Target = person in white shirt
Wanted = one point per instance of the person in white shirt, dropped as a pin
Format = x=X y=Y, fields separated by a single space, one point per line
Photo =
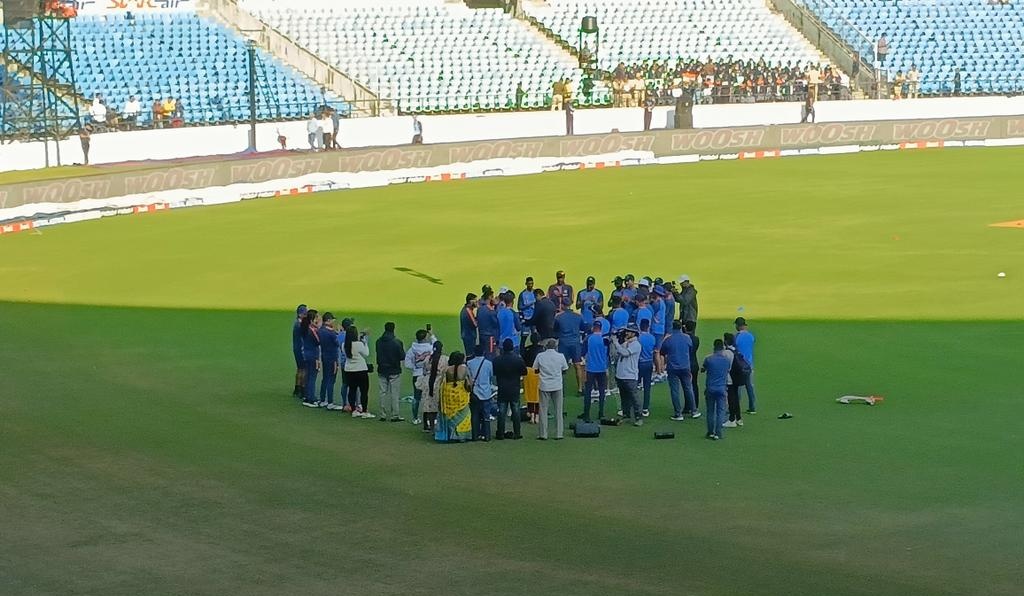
x=311 y=127
x=550 y=366
x=132 y=108
x=913 y=81
x=98 y=112
x=357 y=375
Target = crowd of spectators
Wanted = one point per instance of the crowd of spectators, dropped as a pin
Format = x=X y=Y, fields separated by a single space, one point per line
x=163 y=112
x=725 y=81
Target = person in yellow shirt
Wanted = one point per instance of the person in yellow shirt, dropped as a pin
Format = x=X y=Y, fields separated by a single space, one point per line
x=168 y=107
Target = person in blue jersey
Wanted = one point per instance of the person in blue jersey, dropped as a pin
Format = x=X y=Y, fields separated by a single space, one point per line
x=628 y=293
x=487 y=323
x=670 y=304
x=619 y=315
x=643 y=291
x=569 y=326
x=468 y=323
x=658 y=326
x=645 y=365
x=680 y=364
x=480 y=373
x=745 y=346
x=524 y=305
x=560 y=292
x=716 y=367
x=508 y=322
x=617 y=292
x=330 y=350
x=586 y=299
x=643 y=311
x=690 y=329
x=597 y=371
x=300 y=362
x=308 y=329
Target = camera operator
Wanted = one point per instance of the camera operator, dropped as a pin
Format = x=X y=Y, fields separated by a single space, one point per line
x=627 y=350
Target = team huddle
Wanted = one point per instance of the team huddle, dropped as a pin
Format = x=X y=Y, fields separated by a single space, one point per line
x=519 y=347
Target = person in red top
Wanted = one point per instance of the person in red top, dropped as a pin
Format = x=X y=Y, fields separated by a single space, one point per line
x=560 y=292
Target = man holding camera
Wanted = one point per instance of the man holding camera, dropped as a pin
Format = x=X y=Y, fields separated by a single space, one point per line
x=627 y=372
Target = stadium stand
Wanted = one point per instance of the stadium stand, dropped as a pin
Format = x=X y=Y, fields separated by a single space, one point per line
x=188 y=57
x=428 y=55
x=984 y=40
x=739 y=49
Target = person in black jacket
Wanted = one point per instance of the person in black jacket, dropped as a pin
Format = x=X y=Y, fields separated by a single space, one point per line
x=390 y=354
x=690 y=328
x=509 y=369
x=543 y=319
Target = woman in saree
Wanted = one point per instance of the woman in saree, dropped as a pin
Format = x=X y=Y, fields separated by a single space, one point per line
x=453 y=418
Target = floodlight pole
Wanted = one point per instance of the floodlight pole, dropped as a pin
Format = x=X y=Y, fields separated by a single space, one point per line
x=250 y=47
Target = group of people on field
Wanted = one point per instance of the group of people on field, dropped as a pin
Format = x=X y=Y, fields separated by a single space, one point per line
x=519 y=346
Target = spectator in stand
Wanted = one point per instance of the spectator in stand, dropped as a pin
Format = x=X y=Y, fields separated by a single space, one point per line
x=520 y=94
x=648 y=111
x=882 y=49
x=157 y=113
x=323 y=127
x=335 y=128
x=557 y=95
x=913 y=82
x=168 y=107
x=179 y=109
x=417 y=131
x=132 y=108
x=570 y=111
x=813 y=80
x=956 y=82
x=98 y=112
x=567 y=92
x=897 y=85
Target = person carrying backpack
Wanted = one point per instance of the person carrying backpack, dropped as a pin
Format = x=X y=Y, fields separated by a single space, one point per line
x=739 y=370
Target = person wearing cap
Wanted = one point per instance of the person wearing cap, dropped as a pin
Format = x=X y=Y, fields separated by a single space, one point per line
x=550 y=366
x=629 y=293
x=390 y=354
x=560 y=292
x=597 y=371
x=617 y=292
x=732 y=386
x=487 y=322
x=619 y=315
x=300 y=362
x=658 y=323
x=531 y=382
x=310 y=356
x=670 y=304
x=686 y=301
x=508 y=321
x=645 y=365
x=468 y=323
x=481 y=375
x=677 y=350
x=569 y=326
x=643 y=290
x=509 y=369
x=524 y=305
x=716 y=366
x=627 y=351
x=329 y=351
x=745 y=346
x=587 y=299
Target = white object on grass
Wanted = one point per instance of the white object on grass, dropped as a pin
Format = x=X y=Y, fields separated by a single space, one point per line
x=1001 y=274
x=860 y=399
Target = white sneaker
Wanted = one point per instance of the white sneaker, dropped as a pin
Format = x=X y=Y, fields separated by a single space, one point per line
x=645 y=413
x=309 y=404
x=417 y=421
x=323 y=404
x=729 y=424
x=595 y=394
x=695 y=415
x=739 y=423
x=619 y=413
x=357 y=414
x=678 y=418
x=333 y=407
x=367 y=415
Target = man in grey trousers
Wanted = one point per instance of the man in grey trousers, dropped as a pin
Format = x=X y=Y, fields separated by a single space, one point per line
x=551 y=366
x=390 y=354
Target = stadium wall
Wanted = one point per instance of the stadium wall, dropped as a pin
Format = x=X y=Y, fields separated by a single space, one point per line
x=668 y=146
x=395 y=131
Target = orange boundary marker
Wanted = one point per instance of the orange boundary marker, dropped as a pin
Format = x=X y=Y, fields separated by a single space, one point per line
x=1008 y=224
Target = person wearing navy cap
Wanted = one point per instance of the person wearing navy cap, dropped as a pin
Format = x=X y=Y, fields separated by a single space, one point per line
x=525 y=307
x=658 y=322
x=586 y=300
x=560 y=292
x=487 y=322
x=628 y=293
x=617 y=282
x=300 y=381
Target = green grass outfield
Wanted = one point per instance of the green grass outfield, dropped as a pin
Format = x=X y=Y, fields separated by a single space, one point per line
x=148 y=443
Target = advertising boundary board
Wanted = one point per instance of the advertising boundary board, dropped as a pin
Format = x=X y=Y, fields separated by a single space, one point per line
x=665 y=143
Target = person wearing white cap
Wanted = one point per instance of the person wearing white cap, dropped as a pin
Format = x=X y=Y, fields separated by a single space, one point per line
x=686 y=300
